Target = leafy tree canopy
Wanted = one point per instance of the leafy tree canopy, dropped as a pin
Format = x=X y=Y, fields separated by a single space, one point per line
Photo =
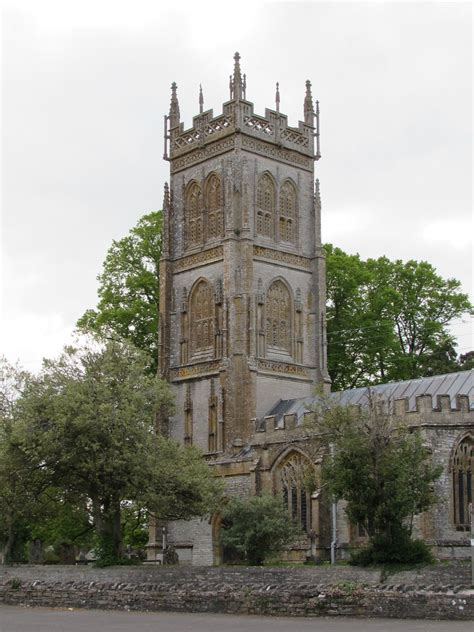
x=388 y=320
x=89 y=420
x=128 y=291
x=22 y=481
x=381 y=469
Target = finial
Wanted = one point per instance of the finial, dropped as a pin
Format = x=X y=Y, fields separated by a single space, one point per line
x=166 y=197
x=237 y=65
x=201 y=100
x=237 y=86
x=308 y=105
x=277 y=97
x=174 y=107
x=318 y=146
x=166 y=221
x=317 y=195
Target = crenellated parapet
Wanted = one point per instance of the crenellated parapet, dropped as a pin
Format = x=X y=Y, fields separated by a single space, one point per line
x=439 y=410
x=238 y=116
x=426 y=410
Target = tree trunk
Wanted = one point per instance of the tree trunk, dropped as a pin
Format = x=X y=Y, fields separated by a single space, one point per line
x=67 y=553
x=107 y=520
x=8 y=550
x=116 y=529
x=35 y=552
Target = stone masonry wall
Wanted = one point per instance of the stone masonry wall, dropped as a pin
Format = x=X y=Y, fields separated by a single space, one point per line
x=278 y=591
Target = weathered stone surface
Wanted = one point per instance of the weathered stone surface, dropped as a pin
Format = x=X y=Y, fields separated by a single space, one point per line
x=307 y=591
x=242 y=325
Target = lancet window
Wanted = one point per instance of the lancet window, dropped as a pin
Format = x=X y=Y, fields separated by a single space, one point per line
x=296 y=479
x=215 y=215
x=278 y=316
x=462 y=466
x=201 y=321
x=288 y=213
x=266 y=206
x=194 y=215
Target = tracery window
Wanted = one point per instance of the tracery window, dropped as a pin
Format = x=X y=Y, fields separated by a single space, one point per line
x=193 y=214
x=278 y=306
x=296 y=477
x=201 y=322
x=215 y=215
x=288 y=214
x=462 y=466
x=266 y=206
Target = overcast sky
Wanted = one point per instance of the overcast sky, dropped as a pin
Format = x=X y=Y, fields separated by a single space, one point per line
x=85 y=86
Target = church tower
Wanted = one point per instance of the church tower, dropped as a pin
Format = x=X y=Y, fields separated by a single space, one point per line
x=242 y=273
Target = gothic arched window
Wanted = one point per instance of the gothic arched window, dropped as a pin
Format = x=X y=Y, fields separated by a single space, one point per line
x=288 y=214
x=295 y=478
x=462 y=466
x=278 y=317
x=266 y=206
x=193 y=215
x=201 y=322
x=213 y=200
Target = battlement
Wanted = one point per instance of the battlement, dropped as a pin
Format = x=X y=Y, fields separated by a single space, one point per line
x=238 y=116
x=427 y=410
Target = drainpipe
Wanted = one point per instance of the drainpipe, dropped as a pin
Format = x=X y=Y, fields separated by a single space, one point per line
x=471 y=520
x=334 y=520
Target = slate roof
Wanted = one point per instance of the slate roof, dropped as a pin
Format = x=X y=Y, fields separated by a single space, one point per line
x=452 y=384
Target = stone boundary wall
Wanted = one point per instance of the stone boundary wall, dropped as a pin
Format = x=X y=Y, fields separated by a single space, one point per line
x=278 y=591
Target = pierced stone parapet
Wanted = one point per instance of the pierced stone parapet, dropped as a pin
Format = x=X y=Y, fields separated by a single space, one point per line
x=273 y=127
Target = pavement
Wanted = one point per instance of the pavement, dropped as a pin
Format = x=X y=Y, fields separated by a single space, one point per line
x=15 y=619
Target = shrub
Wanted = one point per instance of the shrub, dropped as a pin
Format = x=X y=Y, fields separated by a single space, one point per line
x=256 y=527
x=401 y=550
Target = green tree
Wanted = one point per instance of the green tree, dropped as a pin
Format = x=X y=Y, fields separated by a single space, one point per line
x=383 y=472
x=22 y=481
x=91 y=422
x=256 y=527
x=466 y=361
x=66 y=524
x=388 y=320
x=129 y=290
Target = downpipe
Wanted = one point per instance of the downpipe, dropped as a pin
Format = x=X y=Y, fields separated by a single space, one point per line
x=333 y=521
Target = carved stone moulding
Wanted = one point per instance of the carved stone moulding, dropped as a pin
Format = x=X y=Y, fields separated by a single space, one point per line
x=195 y=156
x=211 y=255
x=295 y=371
x=277 y=153
x=190 y=371
x=283 y=258
x=217 y=128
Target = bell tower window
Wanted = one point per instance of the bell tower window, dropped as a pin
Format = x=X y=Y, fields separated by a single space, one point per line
x=215 y=215
x=288 y=213
x=193 y=214
x=201 y=322
x=266 y=206
x=278 y=315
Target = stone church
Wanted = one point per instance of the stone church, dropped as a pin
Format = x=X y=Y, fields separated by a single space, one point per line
x=242 y=328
